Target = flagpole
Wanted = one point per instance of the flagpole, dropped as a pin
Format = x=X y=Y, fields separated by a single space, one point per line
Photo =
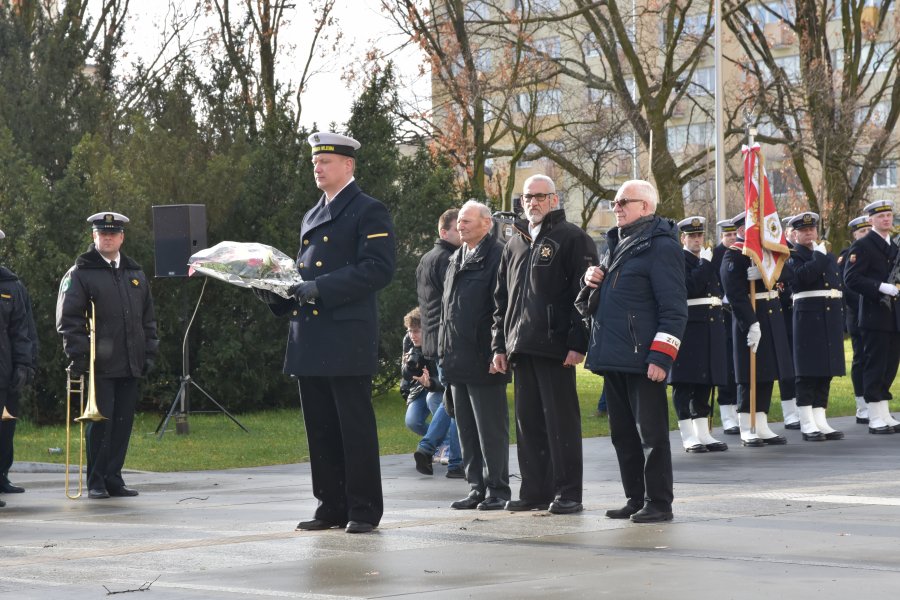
x=752 y=285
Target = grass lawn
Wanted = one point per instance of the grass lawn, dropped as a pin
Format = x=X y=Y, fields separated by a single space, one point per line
x=278 y=436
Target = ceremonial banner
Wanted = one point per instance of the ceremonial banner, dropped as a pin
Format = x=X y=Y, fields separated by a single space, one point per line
x=764 y=240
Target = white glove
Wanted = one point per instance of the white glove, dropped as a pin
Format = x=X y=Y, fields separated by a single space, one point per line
x=886 y=288
x=820 y=248
x=706 y=254
x=754 y=334
x=753 y=273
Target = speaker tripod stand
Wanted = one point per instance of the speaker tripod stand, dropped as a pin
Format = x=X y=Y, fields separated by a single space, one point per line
x=181 y=402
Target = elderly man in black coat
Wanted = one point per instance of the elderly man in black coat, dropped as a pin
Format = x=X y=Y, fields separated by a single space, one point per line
x=347 y=253
x=635 y=336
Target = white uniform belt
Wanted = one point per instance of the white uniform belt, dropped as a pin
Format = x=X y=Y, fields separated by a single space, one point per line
x=711 y=301
x=834 y=294
x=770 y=295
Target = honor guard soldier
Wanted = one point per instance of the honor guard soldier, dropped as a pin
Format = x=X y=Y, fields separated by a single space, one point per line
x=871 y=273
x=111 y=288
x=347 y=253
x=786 y=387
x=859 y=227
x=726 y=393
x=818 y=326
x=18 y=357
x=700 y=363
x=763 y=332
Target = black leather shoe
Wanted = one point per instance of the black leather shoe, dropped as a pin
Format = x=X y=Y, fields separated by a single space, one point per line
x=492 y=503
x=778 y=440
x=522 y=505
x=8 y=488
x=359 y=527
x=815 y=436
x=696 y=449
x=123 y=491
x=470 y=502
x=896 y=428
x=795 y=425
x=622 y=513
x=753 y=443
x=834 y=435
x=717 y=447
x=881 y=430
x=423 y=463
x=648 y=514
x=862 y=420
x=562 y=506
x=316 y=525
x=732 y=431
x=457 y=473
x=97 y=494
x=2 y=503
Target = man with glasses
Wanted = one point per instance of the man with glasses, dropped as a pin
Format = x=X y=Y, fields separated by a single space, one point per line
x=541 y=336
x=636 y=332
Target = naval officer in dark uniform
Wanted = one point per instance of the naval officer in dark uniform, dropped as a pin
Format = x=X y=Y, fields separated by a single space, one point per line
x=859 y=227
x=818 y=326
x=786 y=386
x=700 y=363
x=347 y=253
x=125 y=347
x=762 y=332
x=869 y=265
x=726 y=393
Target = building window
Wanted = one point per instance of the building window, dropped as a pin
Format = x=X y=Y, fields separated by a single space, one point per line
x=680 y=137
x=885 y=176
x=526 y=159
x=483 y=60
x=546 y=102
x=548 y=47
x=764 y=13
x=703 y=81
x=791 y=67
x=476 y=10
x=590 y=47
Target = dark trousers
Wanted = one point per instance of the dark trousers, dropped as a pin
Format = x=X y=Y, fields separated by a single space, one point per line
x=548 y=426
x=691 y=400
x=787 y=389
x=343 y=448
x=727 y=394
x=639 y=429
x=482 y=419
x=881 y=351
x=763 y=396
x=107 y=440
x=858 y=363
x=813 y=391
x=10 y=400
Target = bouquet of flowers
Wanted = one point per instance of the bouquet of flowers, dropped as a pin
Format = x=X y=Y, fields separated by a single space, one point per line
x=247 y=264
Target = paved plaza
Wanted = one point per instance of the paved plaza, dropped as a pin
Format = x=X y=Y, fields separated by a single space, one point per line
x=806 y=520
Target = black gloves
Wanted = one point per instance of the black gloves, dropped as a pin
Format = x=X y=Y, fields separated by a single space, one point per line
x=21 y=376
x=448 y=402
x=79 y=366
x=149 y=365
x=267 y=296
x=304 y=291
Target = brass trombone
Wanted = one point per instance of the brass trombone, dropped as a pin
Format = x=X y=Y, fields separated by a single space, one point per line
x=91 y=413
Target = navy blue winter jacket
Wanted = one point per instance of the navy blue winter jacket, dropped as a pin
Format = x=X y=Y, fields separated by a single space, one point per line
x=642 y=310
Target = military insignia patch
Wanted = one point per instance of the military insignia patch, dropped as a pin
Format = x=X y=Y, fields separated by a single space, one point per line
x=135 y=282
x=66 y=284
x=546 y=252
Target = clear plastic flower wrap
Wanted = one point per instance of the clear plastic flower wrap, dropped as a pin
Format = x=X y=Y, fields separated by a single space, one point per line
x=247 y=264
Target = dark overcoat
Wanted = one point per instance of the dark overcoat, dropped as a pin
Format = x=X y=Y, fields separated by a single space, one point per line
x=16 y=345
x=430 y=291
x=869 y=264
x=818 y=322
x=347 y=247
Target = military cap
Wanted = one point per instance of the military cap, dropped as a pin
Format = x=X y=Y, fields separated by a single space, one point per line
x=107 y=221
x=323 y=141
x=786 y=222
x=804 y=219
x=692 y=225
x=738 y=219
x=859 y=223
x=726 y=226
x=879 y=206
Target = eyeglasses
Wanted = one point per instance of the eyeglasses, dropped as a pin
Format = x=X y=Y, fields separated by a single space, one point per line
x=621 y=202
x=415 y=331
x=538 y=197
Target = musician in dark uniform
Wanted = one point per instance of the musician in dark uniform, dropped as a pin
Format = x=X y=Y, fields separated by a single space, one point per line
x=700 y=363
x=818 y=323
x=869 y=264
x=347 y=253
x=786 y=386
x=859 y=227
x=727 y=393
x=762 y=332
x=18 y=358
x=125 y=347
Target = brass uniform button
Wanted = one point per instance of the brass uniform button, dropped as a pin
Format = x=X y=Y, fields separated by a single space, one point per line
x=315 y=312
x=318 y=263
x=300 y=266
x=325 y=239
x=306 y=242
x=294 y=313
x=770 y=311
